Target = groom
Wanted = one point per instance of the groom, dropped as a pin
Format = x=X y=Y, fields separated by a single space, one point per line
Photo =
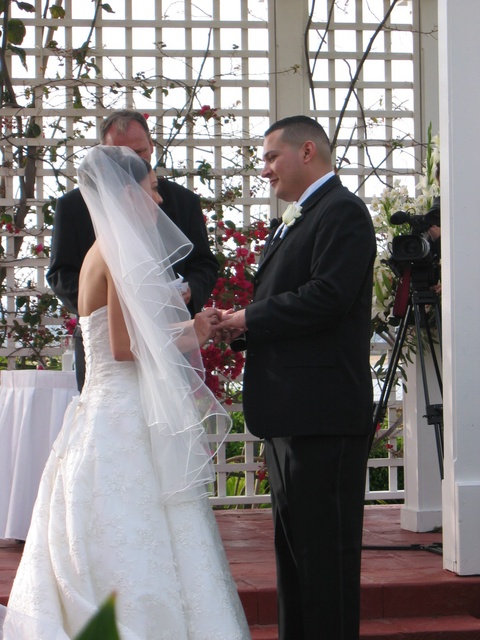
x=307 y=382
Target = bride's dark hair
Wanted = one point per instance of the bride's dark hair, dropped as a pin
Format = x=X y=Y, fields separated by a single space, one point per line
x=132 y=164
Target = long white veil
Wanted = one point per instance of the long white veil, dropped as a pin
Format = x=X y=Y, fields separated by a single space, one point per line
x=140 y=244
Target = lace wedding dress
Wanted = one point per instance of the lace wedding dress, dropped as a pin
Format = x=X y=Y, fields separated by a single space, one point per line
x=99 y=525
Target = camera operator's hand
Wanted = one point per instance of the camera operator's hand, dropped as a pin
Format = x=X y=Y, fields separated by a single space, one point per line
x=434 y=232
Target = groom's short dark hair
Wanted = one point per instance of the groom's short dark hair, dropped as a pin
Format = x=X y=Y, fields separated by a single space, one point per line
x=298 y=129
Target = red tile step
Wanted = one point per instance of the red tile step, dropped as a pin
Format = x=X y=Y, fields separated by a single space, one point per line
x=424 y=628
x=267 y=632
x=435 y=628
x=406 y=594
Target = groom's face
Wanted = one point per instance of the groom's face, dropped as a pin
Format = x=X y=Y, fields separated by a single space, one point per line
x=283 y=166
x=135 y=137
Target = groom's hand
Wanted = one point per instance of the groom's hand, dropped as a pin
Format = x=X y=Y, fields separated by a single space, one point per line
x=231 y=325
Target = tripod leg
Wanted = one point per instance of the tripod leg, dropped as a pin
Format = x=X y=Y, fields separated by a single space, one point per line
x=381 y=406
x=434 y=412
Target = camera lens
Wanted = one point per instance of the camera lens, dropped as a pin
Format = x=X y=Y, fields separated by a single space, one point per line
x=410 y=248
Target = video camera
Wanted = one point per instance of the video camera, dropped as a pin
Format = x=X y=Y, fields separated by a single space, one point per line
x=415 y=251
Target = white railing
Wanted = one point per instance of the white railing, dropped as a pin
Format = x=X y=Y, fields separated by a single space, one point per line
x=247 y=469
x=238 y=477
x=242 y=471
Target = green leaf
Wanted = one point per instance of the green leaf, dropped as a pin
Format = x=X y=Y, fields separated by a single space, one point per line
x=34 y=131
x=57 y=11
x=102 y=626
x=387 y=282
x=26 y=6
x=381 y=360
x=20 y=53
x=16 y=31
x=107 y=8
x=77 y=100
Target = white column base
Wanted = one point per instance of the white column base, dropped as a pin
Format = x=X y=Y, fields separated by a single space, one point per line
x=420 y=521
x=461 y=548
x=422 y=510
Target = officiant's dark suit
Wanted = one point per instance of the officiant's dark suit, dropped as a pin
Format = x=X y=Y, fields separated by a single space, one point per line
x=307 y=383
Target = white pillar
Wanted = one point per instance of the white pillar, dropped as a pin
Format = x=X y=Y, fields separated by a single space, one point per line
x=426 y=66
x=459 y=56
x=289 y=88
x=422 y=509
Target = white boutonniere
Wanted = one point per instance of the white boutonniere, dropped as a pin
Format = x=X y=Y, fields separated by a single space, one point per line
x=291 y=213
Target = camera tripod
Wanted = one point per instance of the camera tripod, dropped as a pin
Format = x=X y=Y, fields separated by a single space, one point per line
x=413 y=297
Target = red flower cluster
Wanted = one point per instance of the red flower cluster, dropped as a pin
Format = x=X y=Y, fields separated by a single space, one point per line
x=12 y=228
x=262 y=473
x=69 y=324
x=207 y=112
x=237 y=255
x=222 y=365
x=237 y=252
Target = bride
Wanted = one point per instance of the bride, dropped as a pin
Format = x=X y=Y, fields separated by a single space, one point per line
x=122 y=506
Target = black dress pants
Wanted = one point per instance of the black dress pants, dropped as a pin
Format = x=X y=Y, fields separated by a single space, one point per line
x=318 y=488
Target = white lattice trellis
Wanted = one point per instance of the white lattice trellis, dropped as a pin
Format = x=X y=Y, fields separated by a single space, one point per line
x=211 y=75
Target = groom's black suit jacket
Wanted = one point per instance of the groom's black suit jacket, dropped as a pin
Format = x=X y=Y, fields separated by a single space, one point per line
x=73 y=235
x=308 y=342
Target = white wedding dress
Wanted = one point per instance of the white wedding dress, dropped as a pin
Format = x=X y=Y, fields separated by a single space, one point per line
x=99 y=525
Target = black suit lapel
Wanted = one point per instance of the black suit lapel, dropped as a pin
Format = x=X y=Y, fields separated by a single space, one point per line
x=275 y=242
x=312 y=201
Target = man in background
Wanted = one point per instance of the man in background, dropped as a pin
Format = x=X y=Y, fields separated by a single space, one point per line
x=73 y=233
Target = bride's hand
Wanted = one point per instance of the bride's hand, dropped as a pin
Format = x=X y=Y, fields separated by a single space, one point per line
x=204 y=324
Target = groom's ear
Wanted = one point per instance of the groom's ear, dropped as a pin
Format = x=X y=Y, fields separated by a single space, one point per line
x=309 y=150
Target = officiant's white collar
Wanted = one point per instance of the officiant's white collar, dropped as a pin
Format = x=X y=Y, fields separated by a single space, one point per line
x=315 y=185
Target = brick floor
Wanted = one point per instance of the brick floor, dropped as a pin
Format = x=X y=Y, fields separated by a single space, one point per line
x=404 y=586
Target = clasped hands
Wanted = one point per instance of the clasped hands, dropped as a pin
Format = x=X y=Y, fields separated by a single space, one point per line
x=219 y=325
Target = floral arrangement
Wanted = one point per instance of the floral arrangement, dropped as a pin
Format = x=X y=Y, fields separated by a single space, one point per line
x=393 y=199
x=237 y=251
x=385 y=281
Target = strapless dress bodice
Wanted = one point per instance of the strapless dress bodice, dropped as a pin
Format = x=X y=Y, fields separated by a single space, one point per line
x=101 y=368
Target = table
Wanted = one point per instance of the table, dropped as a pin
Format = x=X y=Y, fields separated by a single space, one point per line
x=32 y=405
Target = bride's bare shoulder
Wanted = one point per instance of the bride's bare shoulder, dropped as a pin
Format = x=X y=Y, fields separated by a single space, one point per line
x=92 y=286
x=93 y=255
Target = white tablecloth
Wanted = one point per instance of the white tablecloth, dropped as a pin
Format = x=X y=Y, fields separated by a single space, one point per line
x=32 y=405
